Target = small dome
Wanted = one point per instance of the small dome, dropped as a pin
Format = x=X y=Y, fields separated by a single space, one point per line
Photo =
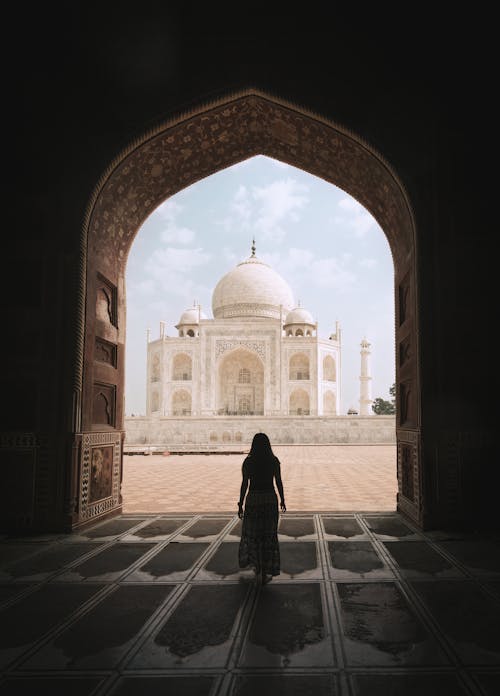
x=190 y=316
x=299 y=315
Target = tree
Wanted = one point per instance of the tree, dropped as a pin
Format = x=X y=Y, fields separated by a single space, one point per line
x=381 y=407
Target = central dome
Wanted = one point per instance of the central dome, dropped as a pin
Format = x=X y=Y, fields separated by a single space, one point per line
x=251 y=289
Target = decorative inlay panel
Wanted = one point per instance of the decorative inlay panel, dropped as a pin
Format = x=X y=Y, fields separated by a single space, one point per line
x=411 y=436
x=408 y=447
x=100 y=474
x=407 y=482
x=223 y=346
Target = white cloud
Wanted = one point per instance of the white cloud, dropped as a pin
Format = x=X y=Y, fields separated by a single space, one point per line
x=142 y=288
x=263 y=211
x=169 y=210
x=172 y=260
x=289 y=263
x=278 y=203
x=355 y=217
x=302 y=268
x=174 y=233
x=331 y=273
x=241 y=206
x=178 y=235
x=173 y=272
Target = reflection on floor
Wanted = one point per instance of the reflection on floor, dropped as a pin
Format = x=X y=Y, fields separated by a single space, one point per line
x=150 y=605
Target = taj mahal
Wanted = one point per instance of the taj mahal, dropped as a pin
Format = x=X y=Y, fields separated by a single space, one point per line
x=258 y=364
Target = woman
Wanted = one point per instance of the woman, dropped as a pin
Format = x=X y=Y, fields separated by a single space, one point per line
x=259 y=535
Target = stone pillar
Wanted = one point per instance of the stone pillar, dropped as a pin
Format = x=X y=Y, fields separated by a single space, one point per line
x=365 y=396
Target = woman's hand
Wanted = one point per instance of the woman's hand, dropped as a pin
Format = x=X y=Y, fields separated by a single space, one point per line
x=283 y=506
x=240 y=510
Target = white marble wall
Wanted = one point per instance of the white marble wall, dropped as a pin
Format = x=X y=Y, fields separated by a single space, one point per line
x=210 y=433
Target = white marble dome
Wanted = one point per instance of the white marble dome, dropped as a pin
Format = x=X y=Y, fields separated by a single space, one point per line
x=251 y=289
x=190 y=316
x=299 y=315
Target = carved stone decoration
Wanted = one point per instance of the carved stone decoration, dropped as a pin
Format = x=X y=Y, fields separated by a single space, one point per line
x=105 y=351
x=103 y=404
x=406 y=415
x=100 y=474
x=403 y=300
x=409 y=493
x=405 y=352
x=223 y=346
x=106 y=301
x=174 y=157
x=407 y=482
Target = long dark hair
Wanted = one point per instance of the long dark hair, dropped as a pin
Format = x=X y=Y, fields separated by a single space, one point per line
x=261 y=447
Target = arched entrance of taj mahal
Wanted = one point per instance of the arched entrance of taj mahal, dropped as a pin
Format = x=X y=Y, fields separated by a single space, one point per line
x=161 y=163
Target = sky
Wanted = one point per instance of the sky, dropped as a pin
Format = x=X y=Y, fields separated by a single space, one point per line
x=329 y=249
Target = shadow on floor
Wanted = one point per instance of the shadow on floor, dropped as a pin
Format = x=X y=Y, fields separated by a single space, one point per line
x=365 y=605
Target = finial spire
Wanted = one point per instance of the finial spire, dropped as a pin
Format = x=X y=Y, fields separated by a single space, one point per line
x=253 y=249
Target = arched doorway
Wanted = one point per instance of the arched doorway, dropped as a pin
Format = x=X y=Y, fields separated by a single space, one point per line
x=329 y=369
x=299 y=403
x=299 y=366
x=178 y=154
x=240 y=384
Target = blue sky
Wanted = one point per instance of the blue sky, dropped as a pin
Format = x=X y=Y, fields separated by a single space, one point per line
x=329 y=249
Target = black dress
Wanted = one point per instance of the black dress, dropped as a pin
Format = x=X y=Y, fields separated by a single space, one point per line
x=259 y=548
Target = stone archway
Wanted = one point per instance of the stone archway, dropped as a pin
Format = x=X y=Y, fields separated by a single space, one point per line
x=177 y=154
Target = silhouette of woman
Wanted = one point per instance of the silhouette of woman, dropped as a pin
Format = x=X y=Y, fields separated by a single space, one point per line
x=259 y=546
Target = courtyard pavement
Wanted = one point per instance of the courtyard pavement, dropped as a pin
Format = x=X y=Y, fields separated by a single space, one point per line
x=316 y=478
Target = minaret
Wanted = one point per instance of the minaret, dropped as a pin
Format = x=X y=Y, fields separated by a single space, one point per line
x=365 y=387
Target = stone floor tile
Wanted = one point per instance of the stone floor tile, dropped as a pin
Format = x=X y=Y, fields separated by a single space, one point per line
x=288 y=628
x=100 y=637
x=380 y=628
x=200 y=631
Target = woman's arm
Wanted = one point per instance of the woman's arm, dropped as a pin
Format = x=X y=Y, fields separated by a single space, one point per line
x=279 y=484
x=243 y=488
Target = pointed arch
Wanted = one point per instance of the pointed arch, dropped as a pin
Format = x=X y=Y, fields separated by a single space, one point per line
x=176 y=154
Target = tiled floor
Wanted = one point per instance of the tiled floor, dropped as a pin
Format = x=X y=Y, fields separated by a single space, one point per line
x=319 y=477
x=155 y=604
